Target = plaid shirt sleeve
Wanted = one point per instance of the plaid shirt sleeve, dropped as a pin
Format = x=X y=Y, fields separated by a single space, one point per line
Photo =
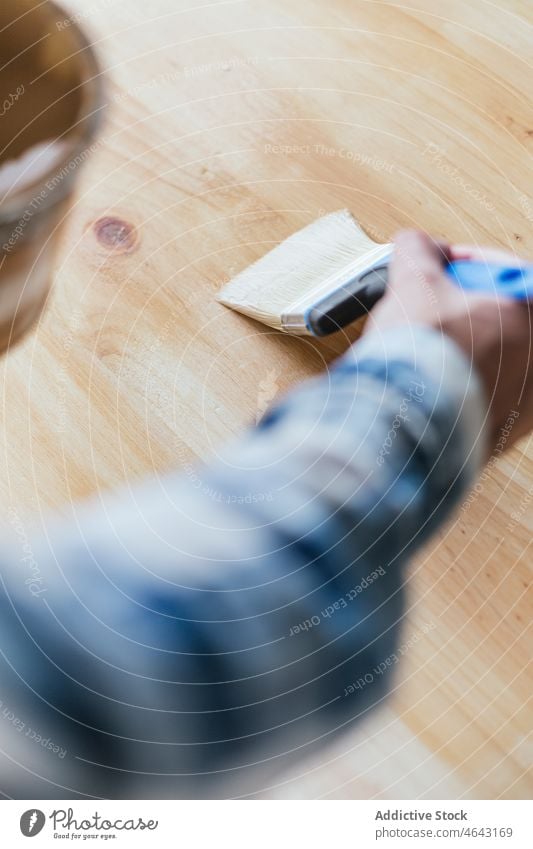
x=183 y=640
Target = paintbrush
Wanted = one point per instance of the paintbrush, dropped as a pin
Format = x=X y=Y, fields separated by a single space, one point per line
x=331 y=273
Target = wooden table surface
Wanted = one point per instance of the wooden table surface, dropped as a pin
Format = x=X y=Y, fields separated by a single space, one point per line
x=230 y=125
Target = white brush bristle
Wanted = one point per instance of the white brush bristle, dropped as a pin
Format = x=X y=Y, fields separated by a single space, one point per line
x=297 y=268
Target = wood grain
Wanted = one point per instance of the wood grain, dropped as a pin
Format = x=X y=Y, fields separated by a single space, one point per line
x=230 y=125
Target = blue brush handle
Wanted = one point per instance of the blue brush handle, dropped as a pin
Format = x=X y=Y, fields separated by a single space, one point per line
x=354 y=299
x=494 y=279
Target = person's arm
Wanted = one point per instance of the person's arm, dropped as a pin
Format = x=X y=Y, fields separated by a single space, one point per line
x=189 y=634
